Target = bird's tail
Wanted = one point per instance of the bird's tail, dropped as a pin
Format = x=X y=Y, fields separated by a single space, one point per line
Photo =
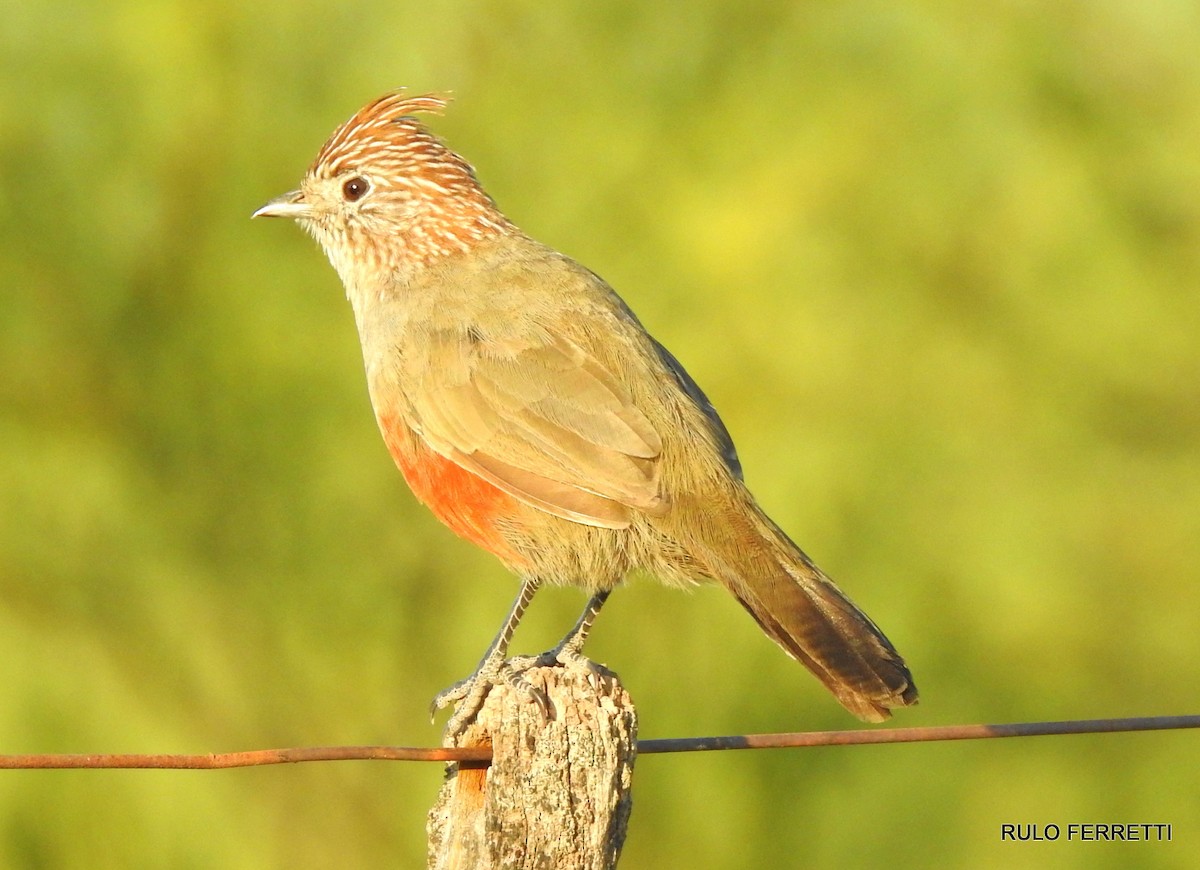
x=805 y=613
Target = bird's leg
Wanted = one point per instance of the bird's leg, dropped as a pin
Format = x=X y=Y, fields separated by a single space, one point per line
x=469 y=693
x=569 y=651
x=570 y=648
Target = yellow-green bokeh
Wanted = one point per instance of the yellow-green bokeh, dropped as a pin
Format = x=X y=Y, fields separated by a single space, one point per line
x=938 y=268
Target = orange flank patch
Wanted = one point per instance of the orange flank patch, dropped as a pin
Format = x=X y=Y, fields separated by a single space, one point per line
x=465 y=502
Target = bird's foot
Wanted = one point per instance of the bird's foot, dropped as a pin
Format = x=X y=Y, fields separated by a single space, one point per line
x=567 y=654
x=468 y=695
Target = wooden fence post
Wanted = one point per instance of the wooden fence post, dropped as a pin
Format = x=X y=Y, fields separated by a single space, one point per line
x=557 y=794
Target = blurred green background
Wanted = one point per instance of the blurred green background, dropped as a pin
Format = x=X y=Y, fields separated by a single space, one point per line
x=938 y=269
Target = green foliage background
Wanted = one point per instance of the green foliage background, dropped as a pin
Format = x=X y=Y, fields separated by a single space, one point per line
x=937 y=267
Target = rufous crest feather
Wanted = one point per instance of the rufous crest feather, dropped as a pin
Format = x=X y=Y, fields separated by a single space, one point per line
x=370 y=123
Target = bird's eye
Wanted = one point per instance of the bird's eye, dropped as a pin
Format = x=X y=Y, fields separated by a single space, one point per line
x=354 y=189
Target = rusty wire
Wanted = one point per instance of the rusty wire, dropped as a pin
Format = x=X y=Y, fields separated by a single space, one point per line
x=477 y=755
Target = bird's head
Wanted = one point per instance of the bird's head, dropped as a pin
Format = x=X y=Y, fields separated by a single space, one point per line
x=384 y=195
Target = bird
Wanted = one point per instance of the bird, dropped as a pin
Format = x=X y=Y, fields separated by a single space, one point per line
x=525 y=404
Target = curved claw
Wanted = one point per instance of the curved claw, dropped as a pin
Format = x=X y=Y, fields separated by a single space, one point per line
x=516 y=679
x=468 y=695
x=449 y=695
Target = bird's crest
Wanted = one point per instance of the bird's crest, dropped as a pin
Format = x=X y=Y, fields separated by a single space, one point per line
x=375 y=117
x=425 y=203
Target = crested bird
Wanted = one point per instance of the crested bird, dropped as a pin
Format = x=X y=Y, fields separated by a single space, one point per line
x=531 y=411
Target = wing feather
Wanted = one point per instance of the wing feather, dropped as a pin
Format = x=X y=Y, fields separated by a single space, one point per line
x=544 y=421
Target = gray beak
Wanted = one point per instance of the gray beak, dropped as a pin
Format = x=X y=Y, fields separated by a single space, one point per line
x=290 y=205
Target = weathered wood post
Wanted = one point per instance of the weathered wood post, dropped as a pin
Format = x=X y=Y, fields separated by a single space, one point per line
x=557 y=793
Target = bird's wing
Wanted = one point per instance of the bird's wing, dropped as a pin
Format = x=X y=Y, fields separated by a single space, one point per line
x=720 y=435
x=544 y=421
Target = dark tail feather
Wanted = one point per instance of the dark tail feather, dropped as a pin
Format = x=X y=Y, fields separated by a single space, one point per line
x=805 y=613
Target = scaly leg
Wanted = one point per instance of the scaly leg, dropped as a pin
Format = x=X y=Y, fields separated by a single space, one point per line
x=569 y=650
x=469 y=693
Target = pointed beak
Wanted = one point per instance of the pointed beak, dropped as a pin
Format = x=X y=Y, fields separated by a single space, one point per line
x=290 y=205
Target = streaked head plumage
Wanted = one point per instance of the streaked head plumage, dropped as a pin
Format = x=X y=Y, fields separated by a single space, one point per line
x=385 y=194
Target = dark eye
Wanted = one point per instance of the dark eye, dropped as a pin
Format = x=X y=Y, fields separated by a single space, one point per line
x=354 y=189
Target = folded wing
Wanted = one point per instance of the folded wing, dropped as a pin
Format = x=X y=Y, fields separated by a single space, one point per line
x=544 y=421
